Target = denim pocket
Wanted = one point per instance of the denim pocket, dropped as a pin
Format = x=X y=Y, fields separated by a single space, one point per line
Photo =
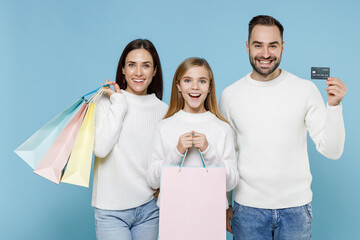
x=308 y=210
x=236 y=209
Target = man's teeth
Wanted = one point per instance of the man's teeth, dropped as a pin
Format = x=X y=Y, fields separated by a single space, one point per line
x=195 y=95
x=138 y=80
x=265 y=62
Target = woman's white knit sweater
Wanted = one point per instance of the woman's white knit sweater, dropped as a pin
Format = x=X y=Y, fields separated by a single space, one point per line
x=124 y=127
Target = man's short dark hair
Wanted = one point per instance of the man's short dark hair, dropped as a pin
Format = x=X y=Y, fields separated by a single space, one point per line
x=266 y=21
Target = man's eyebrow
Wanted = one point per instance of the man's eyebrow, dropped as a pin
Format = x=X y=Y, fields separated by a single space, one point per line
x=257 y=42
x=276 y=42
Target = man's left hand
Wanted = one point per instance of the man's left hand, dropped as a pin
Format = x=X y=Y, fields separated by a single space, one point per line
x=336 y=91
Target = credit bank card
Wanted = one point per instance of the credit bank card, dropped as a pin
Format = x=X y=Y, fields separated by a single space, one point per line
x=320 y=72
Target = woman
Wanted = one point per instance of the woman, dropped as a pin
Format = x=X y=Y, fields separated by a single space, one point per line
x=124 y=126
x=193 y=123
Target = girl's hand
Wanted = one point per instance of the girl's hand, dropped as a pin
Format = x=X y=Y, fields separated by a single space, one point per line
x=185 y=142
x=108 y=90
x=200 y=141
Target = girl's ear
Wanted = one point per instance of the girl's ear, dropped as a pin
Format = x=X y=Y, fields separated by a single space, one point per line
x=178 y=86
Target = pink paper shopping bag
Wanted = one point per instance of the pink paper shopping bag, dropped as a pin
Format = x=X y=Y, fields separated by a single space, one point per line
x=193 y=203
x=52 y=165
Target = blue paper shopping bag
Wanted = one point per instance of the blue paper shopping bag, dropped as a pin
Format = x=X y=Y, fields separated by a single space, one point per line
x=35 y=147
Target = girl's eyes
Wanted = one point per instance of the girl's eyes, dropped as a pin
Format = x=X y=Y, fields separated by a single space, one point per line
x=188 y=80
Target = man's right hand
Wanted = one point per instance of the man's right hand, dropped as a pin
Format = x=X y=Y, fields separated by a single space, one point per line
x=229 y=215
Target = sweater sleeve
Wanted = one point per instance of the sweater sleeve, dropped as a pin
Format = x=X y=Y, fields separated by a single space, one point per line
x=227 y=159
x=325 y=126
x=230 y=161
x=224 y=105
x=159 y=158
x=109 y=118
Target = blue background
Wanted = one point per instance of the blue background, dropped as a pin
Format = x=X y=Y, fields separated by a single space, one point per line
x=52 y=52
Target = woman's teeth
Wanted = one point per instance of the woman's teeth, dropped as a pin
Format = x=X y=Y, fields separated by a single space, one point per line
x=138 y=80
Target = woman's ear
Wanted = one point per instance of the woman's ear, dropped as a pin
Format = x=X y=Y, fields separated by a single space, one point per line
x=155 y=68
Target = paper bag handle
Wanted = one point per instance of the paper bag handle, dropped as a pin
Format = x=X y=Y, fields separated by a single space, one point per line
x=106 y=85
x=183 y=159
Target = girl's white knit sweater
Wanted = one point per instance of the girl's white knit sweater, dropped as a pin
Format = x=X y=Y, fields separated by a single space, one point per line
x=220 y=152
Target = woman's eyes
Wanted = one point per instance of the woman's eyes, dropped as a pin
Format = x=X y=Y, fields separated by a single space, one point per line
x=144 y=66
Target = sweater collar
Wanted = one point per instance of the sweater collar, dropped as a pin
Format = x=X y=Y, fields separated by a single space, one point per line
x=266 y=83
x=139 y=99
x=193 y=117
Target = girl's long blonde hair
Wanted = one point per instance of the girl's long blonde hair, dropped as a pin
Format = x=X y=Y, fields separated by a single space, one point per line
x=177 y=100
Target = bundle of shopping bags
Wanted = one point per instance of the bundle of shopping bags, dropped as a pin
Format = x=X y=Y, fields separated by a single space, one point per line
x=61 y=151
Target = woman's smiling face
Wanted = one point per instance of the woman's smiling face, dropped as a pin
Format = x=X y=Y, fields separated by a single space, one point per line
x=139 y=71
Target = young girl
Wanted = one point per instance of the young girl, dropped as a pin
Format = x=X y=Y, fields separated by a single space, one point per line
x=125 y=121
x=192 y=123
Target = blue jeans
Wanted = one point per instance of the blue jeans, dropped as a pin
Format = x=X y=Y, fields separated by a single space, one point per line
x=140 y=223
x=266 y=224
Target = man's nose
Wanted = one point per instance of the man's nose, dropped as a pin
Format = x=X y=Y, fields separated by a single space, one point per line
x=265 y=52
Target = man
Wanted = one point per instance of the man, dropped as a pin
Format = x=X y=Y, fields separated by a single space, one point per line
x=271 y=111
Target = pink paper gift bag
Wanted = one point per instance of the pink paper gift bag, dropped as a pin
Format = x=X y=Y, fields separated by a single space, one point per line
x=52 y=165
x=193 y=203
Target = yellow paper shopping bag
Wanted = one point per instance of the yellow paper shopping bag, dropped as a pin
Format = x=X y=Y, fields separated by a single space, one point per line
x=79 y=166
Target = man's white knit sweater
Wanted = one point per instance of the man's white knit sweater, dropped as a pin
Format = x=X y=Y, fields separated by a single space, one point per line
x=124 y=127
x=220 y=152
x=271 y=120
